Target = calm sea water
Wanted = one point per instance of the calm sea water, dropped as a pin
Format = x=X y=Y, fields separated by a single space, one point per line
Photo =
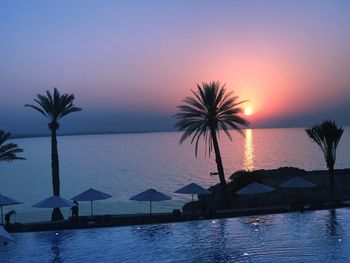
x=123 y=165
x=320 y=236
x=126 y=164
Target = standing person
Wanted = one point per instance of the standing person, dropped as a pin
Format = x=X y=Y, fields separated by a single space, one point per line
x=8 y=216
x=75 y=210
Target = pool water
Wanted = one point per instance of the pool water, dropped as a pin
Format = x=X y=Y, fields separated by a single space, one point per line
x=318 y=236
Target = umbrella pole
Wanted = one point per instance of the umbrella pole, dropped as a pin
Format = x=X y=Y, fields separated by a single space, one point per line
x=192 y=197
x=2 y=216
x=150 y=208
x=92 y=208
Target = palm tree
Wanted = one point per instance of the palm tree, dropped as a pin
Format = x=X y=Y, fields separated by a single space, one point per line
x=327 y=135
x=210 y=110
x=54 y=107
x=8 y=151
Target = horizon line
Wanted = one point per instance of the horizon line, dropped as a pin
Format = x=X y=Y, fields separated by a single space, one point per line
x=38 y=135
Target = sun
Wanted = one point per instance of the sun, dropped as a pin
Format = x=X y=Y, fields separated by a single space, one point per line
x=248 y=111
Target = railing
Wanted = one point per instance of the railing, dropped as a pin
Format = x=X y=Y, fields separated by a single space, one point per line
x=30 y=215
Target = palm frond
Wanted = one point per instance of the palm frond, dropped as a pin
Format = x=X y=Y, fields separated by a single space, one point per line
x=37 y=108
x=210 y=108
x=327 y=135
x=54 y=105
x=8 y=151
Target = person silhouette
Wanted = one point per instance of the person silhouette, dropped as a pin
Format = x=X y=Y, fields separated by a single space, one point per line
x=75 y=210
x=8 y=216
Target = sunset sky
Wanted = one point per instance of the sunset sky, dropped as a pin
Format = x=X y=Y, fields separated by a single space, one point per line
x=129 y=63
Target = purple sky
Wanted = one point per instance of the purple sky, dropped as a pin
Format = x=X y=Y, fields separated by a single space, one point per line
x=129 y=63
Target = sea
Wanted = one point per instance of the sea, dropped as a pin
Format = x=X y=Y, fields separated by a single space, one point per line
x=123 y=165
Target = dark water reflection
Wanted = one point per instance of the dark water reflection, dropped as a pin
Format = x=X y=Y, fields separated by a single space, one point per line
x=152 y=233
x=55 y=250
x=334 y=229
x=332 y=224
x=56 y=241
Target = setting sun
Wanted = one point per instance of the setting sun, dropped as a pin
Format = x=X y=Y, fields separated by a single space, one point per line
x=248 y=111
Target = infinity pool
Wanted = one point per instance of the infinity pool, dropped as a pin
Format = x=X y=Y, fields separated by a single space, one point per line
x=320 y=236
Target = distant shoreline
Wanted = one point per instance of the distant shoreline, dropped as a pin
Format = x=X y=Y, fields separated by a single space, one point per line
x=23 y=136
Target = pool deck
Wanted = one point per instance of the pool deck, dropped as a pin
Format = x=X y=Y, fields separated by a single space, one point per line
x=84 y=222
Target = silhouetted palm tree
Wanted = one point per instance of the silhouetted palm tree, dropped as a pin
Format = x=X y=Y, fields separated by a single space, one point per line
x=8 y=152
x=210 y=110
x=327 y=135
x=54 y=107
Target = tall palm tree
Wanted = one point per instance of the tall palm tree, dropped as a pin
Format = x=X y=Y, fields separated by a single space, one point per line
x=54 y=107
x=209 y=110
x=8 y=152
x=327 y=135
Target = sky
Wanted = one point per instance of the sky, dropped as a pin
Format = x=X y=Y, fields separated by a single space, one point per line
x=129 y=63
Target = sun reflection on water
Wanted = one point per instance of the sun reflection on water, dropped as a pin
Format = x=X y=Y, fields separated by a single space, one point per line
x=248 y=163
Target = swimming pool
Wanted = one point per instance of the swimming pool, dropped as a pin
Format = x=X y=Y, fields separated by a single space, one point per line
x=318 y=236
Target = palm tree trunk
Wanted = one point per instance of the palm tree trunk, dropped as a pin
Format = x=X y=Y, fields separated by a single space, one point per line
x=331 y=180
x=56 y=213
x=225 y=197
